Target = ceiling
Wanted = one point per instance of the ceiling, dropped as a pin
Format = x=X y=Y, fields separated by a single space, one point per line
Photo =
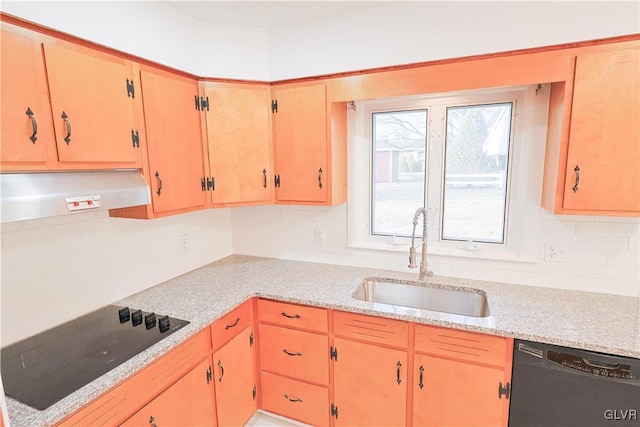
x=267 y=14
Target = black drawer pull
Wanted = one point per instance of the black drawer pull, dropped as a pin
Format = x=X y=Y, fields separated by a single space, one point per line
x=291 y=354
x=67 y=124
x=297 y=316
x=221 y=371
x=292 y=400
x=34 y=125
x=159 y=183
x=233 y=325
x=577 y=182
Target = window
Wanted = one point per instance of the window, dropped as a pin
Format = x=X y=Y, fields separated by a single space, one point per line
x=476 y=164
x=398 y=169
x=463 y=156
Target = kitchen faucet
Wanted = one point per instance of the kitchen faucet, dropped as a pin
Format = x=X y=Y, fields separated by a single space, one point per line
x=424 y=271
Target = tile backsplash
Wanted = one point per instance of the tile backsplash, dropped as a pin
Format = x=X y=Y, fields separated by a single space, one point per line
x=602 y=252
x=56 y=269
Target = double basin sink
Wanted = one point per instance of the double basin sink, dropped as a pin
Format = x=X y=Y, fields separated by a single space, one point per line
x=424 y=296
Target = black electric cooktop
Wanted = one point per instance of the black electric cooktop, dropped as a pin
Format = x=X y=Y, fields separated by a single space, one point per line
x=42 y=369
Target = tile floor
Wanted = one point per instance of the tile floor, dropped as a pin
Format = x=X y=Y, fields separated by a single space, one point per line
x=265 y=419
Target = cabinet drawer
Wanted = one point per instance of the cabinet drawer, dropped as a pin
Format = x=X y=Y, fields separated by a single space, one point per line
x=292 y=315
x=469 y=346
x=120 y=402
x=371 y=328
x=297 y=354
x=294 y=399
x=228 y=326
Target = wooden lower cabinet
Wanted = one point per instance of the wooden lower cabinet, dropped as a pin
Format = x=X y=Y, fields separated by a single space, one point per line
x=370 y=385
x=235 y=386
x=189 y=402
x=429 y=376
x=452 y=393
x=295 y=399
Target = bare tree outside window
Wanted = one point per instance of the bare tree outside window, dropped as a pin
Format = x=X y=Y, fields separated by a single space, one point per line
x=398 y=172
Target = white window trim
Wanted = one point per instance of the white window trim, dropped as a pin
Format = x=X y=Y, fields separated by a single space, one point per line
x=524 y=198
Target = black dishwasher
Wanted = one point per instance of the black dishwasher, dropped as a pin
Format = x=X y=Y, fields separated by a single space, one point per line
x=565 y=387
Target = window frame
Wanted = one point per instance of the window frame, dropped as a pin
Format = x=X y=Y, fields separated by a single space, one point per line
x=524 y=183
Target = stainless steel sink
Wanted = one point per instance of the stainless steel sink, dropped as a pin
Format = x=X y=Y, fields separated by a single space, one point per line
x=434 y=297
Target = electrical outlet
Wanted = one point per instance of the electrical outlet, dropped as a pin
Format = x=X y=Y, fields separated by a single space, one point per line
x=319 y=235
x=556 y=252
x=183 y=243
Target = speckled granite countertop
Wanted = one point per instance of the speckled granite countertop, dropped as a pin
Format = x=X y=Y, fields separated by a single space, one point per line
x=599 y=322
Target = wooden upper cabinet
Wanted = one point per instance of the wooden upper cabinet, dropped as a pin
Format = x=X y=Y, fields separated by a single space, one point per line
x=592 y=164
x=93 y=112
x=25 y=114
x=174 y=141
x=238 y=136
x=603 y=163
x=188 y=402
x=310 y=146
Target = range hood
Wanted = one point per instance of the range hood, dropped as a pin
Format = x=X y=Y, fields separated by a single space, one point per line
x=25 y=196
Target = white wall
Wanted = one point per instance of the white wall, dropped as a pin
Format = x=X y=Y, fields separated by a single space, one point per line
x=405 y=32
x=56 y=269
x=158 y=32
x=603 y=251
x=390 y=33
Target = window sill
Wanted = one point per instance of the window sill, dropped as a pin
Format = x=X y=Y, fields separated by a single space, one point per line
x=447 y=252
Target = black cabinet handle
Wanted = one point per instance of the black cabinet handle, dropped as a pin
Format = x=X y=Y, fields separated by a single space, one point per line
x=234 y=324
x=264 y=172
x=152 y=422
x=577 y=171
x=296 y=316
x=292 y=400
x=291 y=354
x=421 y=385
x=67 y=124
x=320 y=177
x=159 y=183
x=34 y=125
x=221 y=371
x=398 y=379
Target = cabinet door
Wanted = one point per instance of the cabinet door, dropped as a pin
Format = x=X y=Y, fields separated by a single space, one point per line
x=300 y=139
x=234 y=381
x=604 y=135
x=238 y=139
x=92 y=111
x=25 y=114
x=450 y=393
x=174 y=141
x=370 y=384
x=188 y=402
